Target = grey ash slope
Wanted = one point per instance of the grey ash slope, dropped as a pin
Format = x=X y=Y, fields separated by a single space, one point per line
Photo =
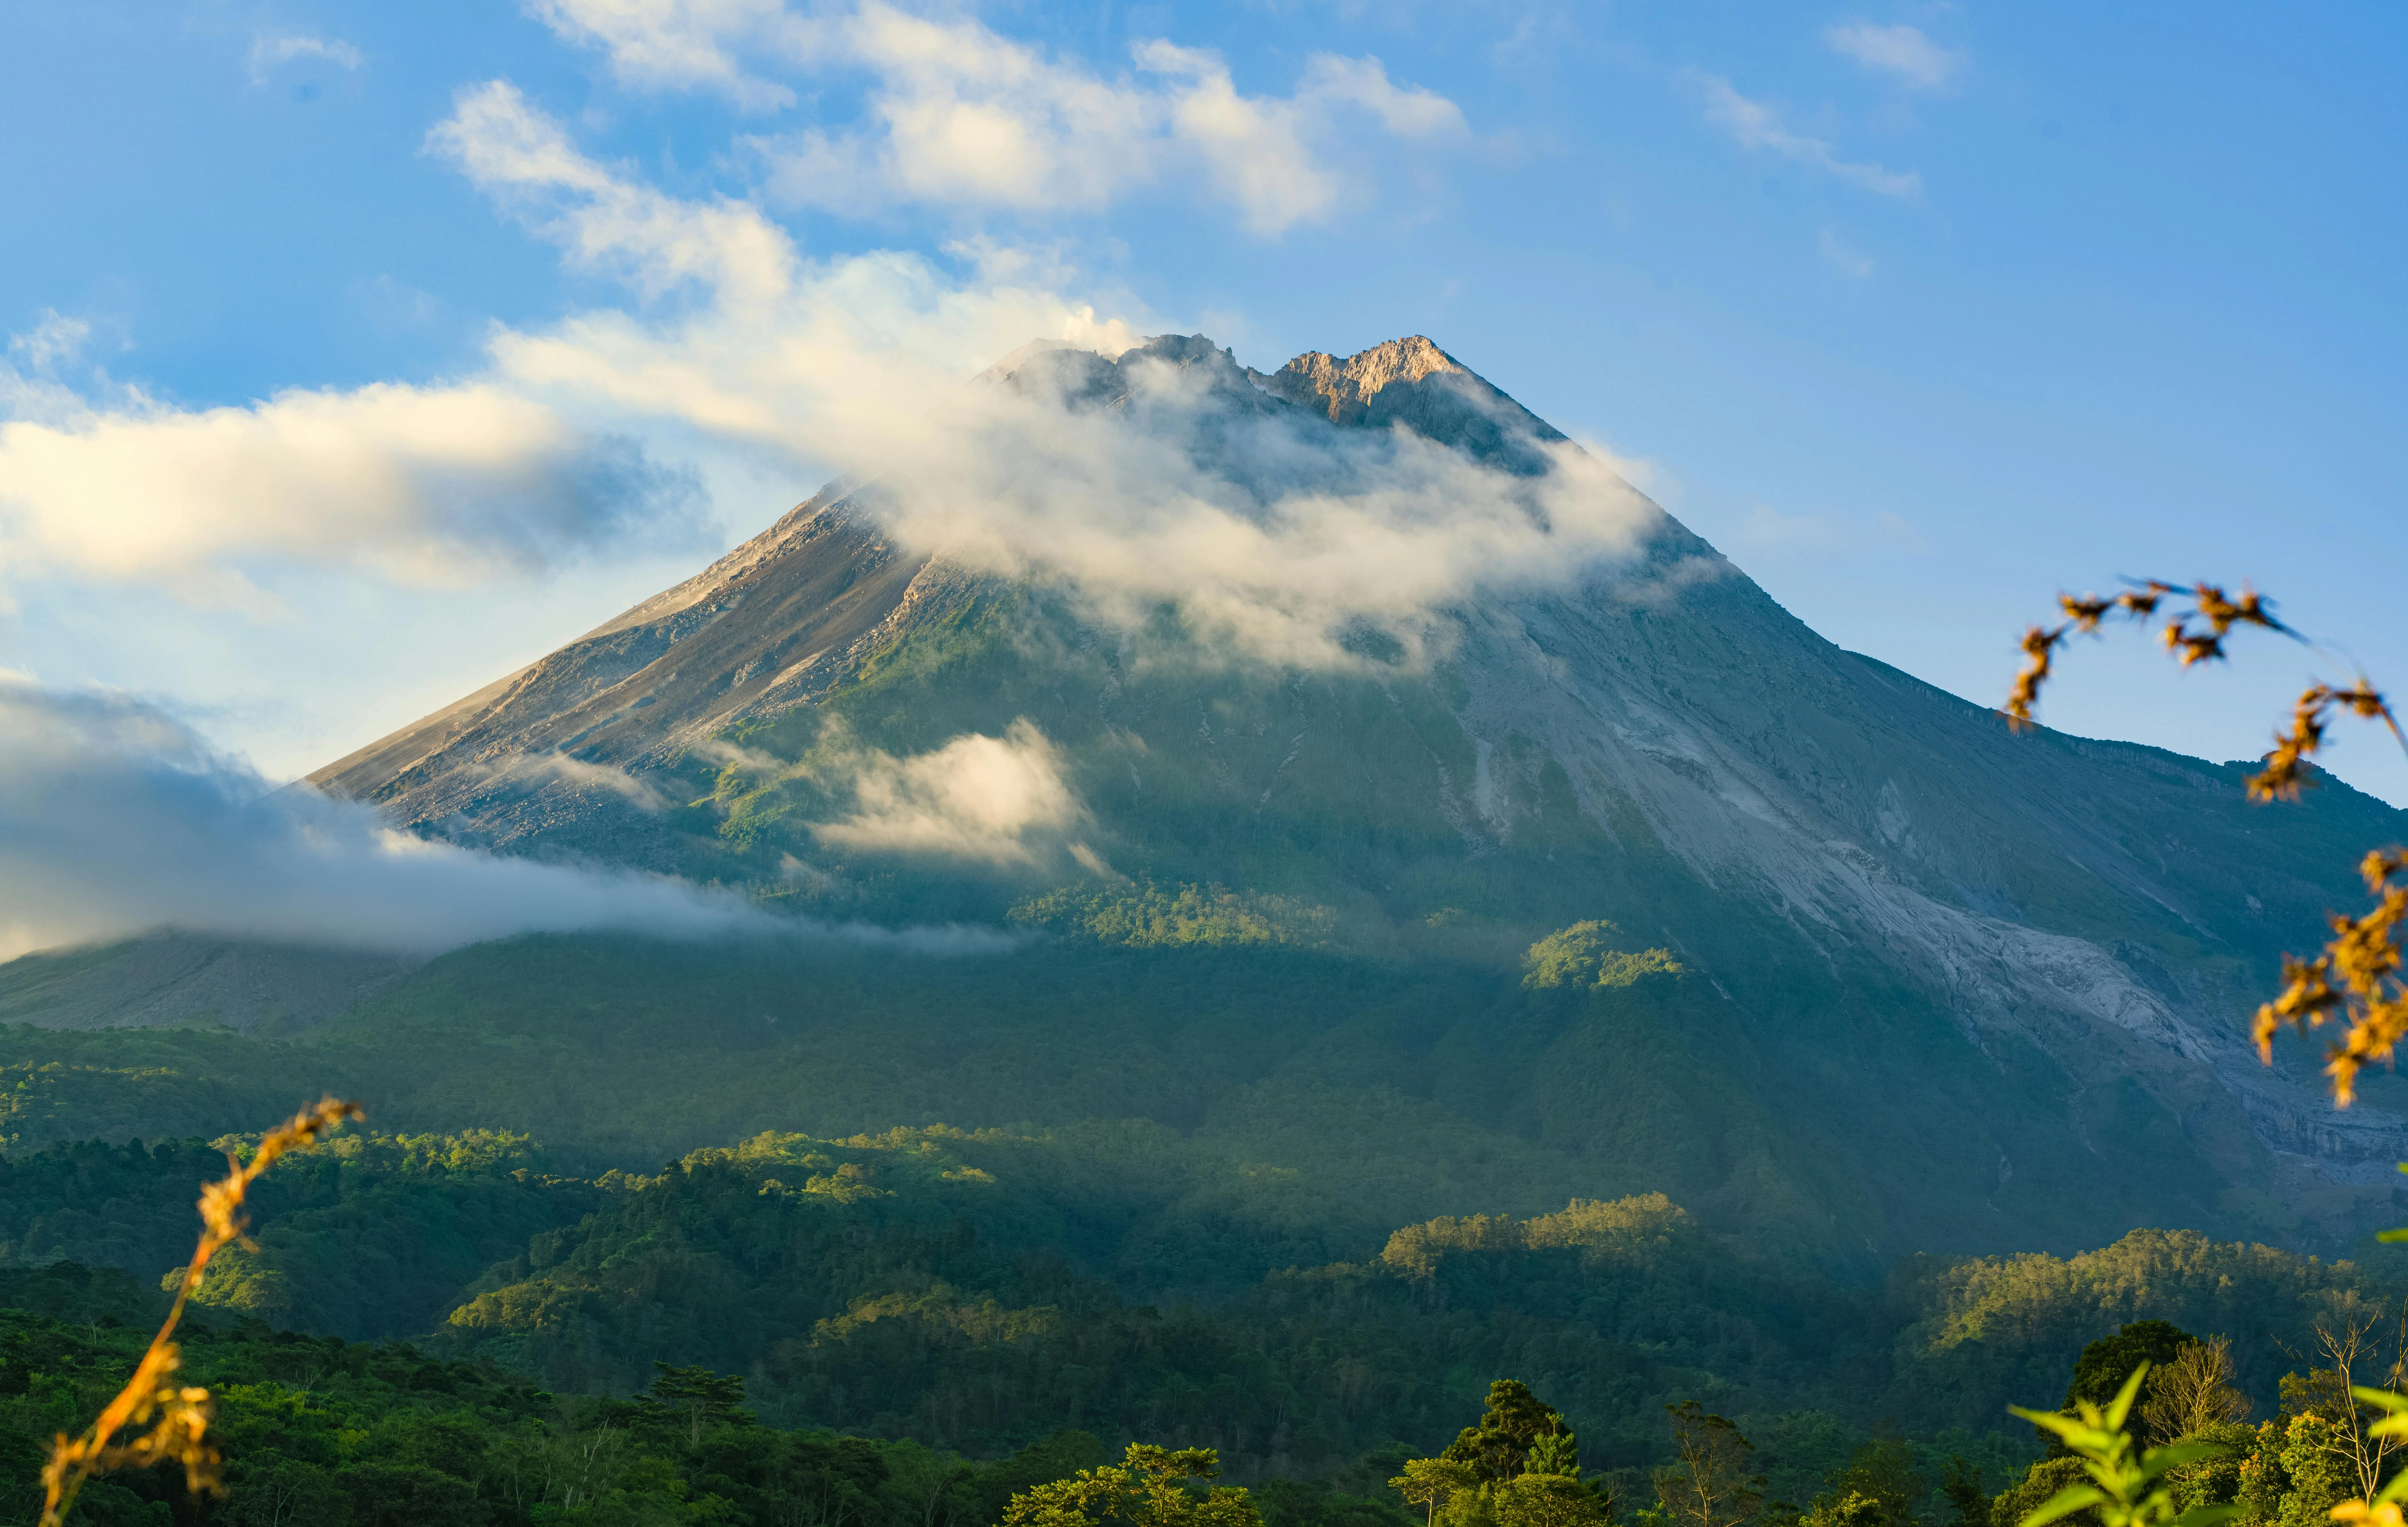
x=2067 y=934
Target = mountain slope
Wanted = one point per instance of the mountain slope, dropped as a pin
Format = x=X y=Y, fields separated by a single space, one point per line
x=1952 y=974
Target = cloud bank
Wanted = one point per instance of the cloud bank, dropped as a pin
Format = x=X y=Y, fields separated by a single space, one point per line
x=115 y=818
x=424 y=485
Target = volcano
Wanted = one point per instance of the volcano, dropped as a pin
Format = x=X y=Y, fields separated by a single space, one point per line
x=1890 y=976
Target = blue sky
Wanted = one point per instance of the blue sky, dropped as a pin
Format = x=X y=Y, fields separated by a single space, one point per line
x=363 y=353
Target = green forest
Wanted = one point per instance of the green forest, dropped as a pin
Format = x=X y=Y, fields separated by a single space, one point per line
x=914 y=1327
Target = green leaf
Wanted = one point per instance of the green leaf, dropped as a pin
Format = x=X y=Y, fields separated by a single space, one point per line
x=2078 y=1434
x=2123 y=1398
x=2064 y=1502
x=2395 y=1490
x=2207 y=1516
x=2392 y=1235
x=2156 y=1461
x=2383 y=1398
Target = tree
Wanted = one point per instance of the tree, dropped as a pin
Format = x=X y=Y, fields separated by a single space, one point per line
x=1711 y=1485
x=2364 y=1346
x=1433 y=1482
x=1500 y=1445
x=1150 y=1488
x=694 y=1397
x=2320 y=1472
x=1548 y=1500
x=1553 y=1452
x=2041 y=1484
x=2126 y=1486
x=1878 y=1487
x=2103 y=1365
x=2194 y=1392
x=1961 y=1484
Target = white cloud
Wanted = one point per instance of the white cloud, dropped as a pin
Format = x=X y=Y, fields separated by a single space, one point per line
x=603 y=220
x=958 y=115
x=1275 y=532
x=420 y=484
x=114 y=818
x=686 y=44
x=999 y=799
x=267 y=53
x=57 y=338
x=1753 y=124
x=1902 y=52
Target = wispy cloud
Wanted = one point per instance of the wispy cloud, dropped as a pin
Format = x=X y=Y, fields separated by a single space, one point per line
x=1753 y=125
x=959 y=116
x=1841 y=254
x=54 y=339
x=690 y=44
x=269 y=51
x=1901 y=53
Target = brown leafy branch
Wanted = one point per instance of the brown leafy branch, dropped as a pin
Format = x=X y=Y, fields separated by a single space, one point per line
x=170 y=1421
x=2356 y=978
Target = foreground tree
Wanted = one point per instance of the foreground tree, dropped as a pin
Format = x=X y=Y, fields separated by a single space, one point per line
x=2123 y=1485
x=1435 y=1483
x=1499 y=1447
x=1152 y=1487
x=1713 y=1483
x=2194 y=1392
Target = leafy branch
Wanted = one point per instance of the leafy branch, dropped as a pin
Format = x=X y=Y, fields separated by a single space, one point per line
x=2358 y=977
x=2125 y=1491
x=177 y=1416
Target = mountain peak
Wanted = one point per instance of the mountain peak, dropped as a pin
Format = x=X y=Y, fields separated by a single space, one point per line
x=1343 y=387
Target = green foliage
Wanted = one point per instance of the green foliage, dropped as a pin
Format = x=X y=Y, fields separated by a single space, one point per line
x=2262 y=1480
x=2215 y=1481
x=1582 y=956
x=2317 y=1470
x=2120 y=1484
x=978 y=1290
x=2099 y=1372
x=1149 y=917
x=368 y=1235
x=1546 y=1500
x=1152 y=1487
x=2044 y=1482
x=1498 y=1447
x=1712 y=1479
x=1879 y=1487
x=339 y=1435
x=2012 y=1325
